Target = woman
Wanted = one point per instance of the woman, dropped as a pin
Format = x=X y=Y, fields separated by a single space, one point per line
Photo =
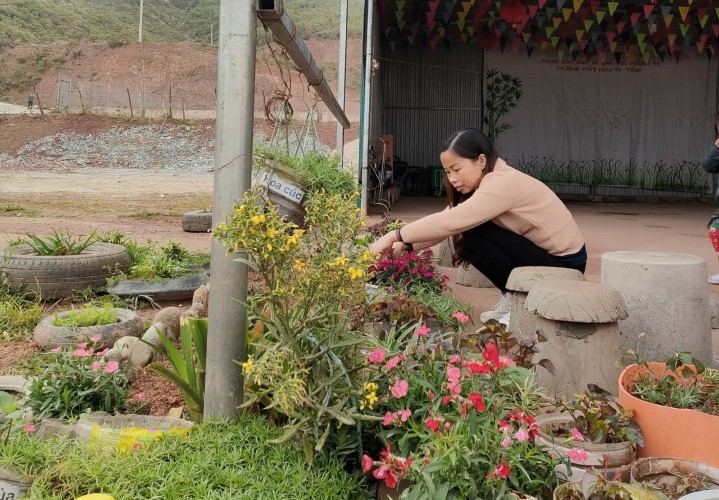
x=499 y=218
x=711 y=165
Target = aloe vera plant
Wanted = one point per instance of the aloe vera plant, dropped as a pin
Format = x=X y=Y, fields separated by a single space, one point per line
x=188 y=364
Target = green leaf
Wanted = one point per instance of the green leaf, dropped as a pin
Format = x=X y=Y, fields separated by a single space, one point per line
x=7 y=402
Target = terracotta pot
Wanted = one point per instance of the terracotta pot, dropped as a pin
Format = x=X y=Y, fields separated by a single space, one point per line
x=618 y=455
x=669 y=432
x=664 y=472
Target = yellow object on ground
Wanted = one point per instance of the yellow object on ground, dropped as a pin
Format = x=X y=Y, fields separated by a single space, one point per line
x=95 y=496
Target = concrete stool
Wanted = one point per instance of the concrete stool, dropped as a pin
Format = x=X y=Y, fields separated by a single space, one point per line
x=579 y=320
x=666 y=294
x=520 y=281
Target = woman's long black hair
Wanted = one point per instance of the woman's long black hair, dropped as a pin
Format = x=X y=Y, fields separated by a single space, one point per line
x=466 y=143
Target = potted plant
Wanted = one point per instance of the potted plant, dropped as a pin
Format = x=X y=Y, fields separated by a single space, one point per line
x=288 y=179
x=597 y=487
x=453 y=424
x=675 y=477
x=53 y=267
x=591 y=431
x=674 y=403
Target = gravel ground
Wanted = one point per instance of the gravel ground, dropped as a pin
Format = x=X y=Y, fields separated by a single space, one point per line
x=154 y=148
x=186 y=150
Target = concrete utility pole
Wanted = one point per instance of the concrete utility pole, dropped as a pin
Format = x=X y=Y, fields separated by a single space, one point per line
x=366 y=109
x=139 y=31
x=342 y=67
x=233 y=168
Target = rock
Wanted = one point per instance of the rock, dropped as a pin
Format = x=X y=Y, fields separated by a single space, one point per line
x=141 y=354
x=14 y=383
x=200 y=301
x=121 y=350
x=51 y=427
x=168 y=322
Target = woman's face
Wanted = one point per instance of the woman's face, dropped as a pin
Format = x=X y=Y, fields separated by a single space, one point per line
x=464 y=174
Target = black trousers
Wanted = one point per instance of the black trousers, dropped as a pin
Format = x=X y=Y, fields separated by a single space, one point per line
x=495 y=252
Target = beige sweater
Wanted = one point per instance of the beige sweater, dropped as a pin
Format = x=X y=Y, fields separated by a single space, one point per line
x=512 y=200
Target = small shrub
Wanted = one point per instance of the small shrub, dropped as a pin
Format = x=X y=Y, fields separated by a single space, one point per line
x=18 y=314
x=87 y=316
x=59 y=243
x=77 y=382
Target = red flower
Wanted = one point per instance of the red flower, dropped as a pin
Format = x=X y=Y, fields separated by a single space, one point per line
x=501 y=471
x=478 y=401
x=367 y=463
x=491 y=354
x=477 y=367
x=432 y=424
x=388 y=474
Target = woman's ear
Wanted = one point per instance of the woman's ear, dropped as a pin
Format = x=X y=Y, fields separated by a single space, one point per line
x=482 y=161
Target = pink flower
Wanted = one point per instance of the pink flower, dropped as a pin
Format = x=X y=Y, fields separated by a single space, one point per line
x=100 y=354
x=393 y=362
x=82 y=352
x=578 y=455
x=455 y=358
x=377 y=356
x=506 y=442
x=506 y=361
x=504 y=426
x=29 y=428
x=112 y=366
x=96 y=338
x=57 y=349
x=96 y=366
x=460 y=316
x=367 y=463
x=389 y=417
x=404 y=415
x=576 y=435
x=422 y=331
x=139 y=396
x=400 y=388
x=521 y=435
x=81 y=345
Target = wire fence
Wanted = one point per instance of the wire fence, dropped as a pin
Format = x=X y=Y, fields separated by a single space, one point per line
x=174 y=101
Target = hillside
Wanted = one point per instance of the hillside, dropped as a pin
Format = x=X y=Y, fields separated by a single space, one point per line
x=82 y=21
x=103 y=75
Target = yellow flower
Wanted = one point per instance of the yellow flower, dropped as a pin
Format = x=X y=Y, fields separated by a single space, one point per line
x=355 y=273
x=257 y=219
x=370 y=387
x=299 y=265
x=248 y=366
x=271 y=232
x=366 y=256
x=339 y=261
x=269 y=247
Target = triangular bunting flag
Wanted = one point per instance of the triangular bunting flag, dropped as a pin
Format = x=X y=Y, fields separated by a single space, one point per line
x=634 y=18
x=600 y=15
x=683 y=11
x=703 y=20
x=612 y=7
x=588 y=24
x=579 y=34
x=577 y=5
x=555 y=40
x=566 y=13
x=529 y=51
x=668 y=20
x=560 y=4
x=556 y=21
x=648 y=10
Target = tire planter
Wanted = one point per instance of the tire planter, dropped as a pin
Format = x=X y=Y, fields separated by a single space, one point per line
x=669 y=432
x=196 y=221
x=48 y=336
x=619 y=455
x=126 y=433
x=663 y=471
x=54 y=277
x=13 y=485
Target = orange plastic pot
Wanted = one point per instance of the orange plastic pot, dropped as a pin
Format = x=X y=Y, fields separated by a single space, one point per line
x=669 y=432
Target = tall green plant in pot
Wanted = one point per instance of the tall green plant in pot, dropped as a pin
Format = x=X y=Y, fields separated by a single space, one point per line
x=503 y=94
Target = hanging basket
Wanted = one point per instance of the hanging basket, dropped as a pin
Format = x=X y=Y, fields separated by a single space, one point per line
x=285 y=190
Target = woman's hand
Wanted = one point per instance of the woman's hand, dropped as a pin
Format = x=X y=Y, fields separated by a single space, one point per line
x=384 y=244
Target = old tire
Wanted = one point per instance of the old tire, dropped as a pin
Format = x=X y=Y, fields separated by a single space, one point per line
x=57 y=276
x=48 y=336
x=197 y=221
